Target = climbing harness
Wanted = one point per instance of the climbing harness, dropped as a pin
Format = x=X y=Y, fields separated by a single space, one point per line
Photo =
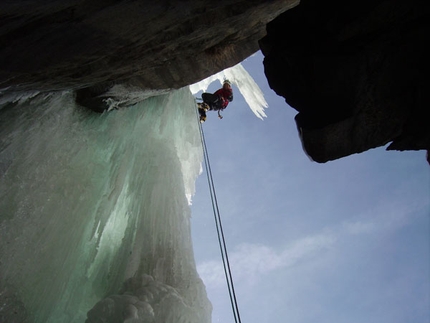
x=218 y=224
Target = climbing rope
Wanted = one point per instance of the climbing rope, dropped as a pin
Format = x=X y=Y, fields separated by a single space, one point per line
x=218 y=224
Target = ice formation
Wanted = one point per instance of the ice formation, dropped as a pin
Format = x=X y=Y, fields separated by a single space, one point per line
x=250 y=90
x=94 y=220
x=95 y=216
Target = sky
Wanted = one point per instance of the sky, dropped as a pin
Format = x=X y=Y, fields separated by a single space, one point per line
x=344 y=241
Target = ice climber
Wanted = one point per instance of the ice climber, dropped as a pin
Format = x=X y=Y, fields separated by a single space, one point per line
x=216 y=101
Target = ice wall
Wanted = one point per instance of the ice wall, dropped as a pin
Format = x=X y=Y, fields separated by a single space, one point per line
x=94 y=215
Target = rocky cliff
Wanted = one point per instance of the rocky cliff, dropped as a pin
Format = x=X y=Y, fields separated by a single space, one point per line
x=354 y=70
x=91 y=45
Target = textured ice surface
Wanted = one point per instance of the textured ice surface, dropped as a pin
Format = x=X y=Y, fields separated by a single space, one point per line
x=94 y=211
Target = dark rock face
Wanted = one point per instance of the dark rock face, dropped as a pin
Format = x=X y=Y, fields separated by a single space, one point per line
x=356 y=71
x=91 y=45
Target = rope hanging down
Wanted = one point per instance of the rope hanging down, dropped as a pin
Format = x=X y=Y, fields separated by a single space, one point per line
x=217 y=217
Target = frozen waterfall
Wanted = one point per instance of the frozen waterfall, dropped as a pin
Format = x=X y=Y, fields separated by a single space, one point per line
x=94 y=218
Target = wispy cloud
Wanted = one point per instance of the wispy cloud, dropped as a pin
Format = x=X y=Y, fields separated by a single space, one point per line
x=251 y=261
x=387 y=216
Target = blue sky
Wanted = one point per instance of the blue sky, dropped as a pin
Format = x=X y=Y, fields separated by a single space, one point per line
x=344 y=241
